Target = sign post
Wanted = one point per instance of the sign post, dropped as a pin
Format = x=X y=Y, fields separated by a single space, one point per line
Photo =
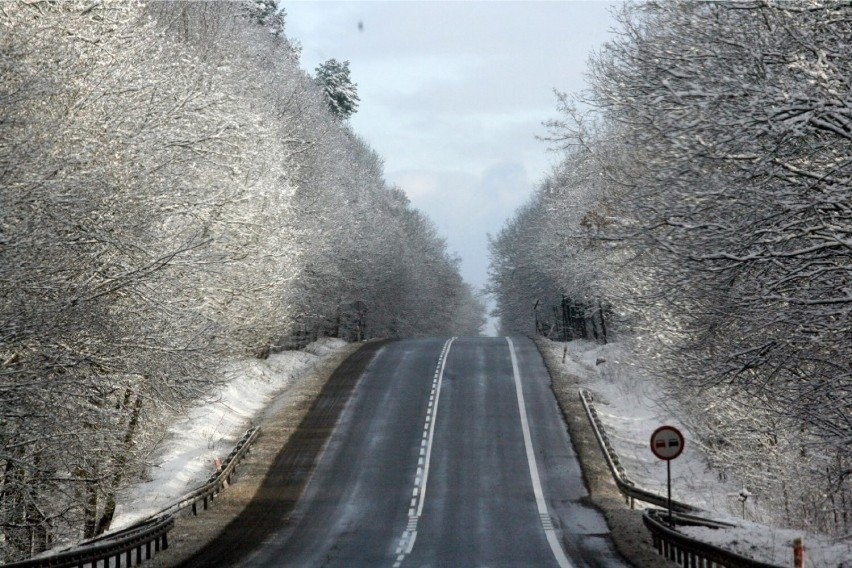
x=667 y=443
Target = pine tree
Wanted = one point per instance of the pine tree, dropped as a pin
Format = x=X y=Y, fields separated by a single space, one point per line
x=342 y=94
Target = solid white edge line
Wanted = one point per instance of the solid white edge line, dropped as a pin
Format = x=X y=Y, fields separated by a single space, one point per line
x=552 y=539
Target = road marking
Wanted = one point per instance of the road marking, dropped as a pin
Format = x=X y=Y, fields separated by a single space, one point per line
x=409 y=535
x=544 y=516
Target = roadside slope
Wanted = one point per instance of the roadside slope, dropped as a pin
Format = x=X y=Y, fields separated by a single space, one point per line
x=279 y=423
x=630 y=535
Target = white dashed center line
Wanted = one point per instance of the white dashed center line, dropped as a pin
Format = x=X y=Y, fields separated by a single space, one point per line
x=418 y=494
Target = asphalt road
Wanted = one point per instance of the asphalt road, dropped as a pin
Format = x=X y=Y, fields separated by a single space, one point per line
x=449 y=453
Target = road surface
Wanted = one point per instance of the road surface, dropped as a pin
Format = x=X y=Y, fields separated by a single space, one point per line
x=450 y=452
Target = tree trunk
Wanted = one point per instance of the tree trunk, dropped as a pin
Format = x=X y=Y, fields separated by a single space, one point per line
x=119 y=463
x=90 y=508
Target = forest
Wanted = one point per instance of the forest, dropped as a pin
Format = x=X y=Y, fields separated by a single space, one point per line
x=176 y=192
x=702 y=208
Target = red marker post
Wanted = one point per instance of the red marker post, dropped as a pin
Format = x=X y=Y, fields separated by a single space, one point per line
x=799 y=553
x=667 y=443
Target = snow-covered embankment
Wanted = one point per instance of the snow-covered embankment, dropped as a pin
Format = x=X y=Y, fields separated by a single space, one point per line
x=184 y=459
x=632 y=406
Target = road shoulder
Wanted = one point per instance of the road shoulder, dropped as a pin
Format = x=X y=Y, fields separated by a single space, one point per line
x=279 y=423
x=629 y=534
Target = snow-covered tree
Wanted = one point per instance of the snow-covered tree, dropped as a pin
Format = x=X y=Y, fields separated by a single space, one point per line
x=341 y=93
x=706 y=197
x=157 y=218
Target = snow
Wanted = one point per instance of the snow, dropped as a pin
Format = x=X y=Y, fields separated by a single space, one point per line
x=775 y=545
x=631 y=407
x=630 y=410
x=184 y=458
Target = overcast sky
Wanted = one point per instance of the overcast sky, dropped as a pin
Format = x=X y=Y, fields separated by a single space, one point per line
x=453 y=95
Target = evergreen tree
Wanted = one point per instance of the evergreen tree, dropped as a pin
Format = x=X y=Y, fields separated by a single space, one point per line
x=342 y=94
x=267 y=13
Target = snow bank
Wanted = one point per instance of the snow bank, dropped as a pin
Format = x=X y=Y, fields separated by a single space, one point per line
x=631 y=407
x=775 y=545
x=184 y=459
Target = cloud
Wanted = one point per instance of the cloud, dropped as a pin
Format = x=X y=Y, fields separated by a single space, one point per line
x=466 y=206
x=453 y=95
x=421 y=187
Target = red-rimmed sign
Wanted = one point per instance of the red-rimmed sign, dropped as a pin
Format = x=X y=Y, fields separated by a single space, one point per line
x=667 y=442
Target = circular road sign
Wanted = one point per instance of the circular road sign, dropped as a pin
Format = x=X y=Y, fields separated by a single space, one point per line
x=667 y=442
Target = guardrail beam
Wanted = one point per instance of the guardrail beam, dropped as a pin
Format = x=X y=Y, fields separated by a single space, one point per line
x=153 y=530
x=668 y=543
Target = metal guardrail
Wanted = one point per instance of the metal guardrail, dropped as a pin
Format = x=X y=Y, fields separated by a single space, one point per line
x=627 y=488
x=675 y=546
x=691 y=552
x=217 y=481
x=129 y=543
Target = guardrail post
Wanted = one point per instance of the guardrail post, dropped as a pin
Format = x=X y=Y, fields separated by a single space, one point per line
x=113 y=550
